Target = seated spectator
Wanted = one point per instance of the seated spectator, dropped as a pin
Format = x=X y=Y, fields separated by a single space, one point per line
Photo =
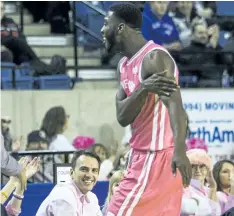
x=13 y=207
x=113 y=186
x=13 y=39
x=100 y=150
x=223 y=172
x=158 y=25
x=75 y=197
x=206 y=9
x=54 y=124
x=37 y=141
x=203 y=52
x=11 y=143
x=5 y=128
x=182 y=17
x=198 y=199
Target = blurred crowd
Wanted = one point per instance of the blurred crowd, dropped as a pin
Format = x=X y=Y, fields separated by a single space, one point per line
x=194 y=32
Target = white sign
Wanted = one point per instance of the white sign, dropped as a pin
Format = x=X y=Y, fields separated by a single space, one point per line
x=63 y=174
x=211 y=116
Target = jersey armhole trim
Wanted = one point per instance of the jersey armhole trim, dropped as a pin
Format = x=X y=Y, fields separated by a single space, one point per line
x=156 y=48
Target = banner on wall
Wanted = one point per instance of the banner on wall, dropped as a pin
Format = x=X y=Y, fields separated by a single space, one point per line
x=211 y=116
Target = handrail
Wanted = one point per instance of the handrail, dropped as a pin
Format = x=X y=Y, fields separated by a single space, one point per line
x=75 y=38
x=85 y=29
x=21 y=17
x=100 y=11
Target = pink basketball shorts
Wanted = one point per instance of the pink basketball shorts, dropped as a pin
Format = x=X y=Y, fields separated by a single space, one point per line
x=149 y=187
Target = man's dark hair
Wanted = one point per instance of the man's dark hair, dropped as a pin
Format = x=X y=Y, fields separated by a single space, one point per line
x=129 y=13
x=216 y=171
x=87 y=153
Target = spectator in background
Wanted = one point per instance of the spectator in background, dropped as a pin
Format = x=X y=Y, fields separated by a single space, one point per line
x=10 y=167
x=75 y=197
x=14 y=41
x=113 y=186
x=182 y=17
x=206 y=9
x=58 y=17
x=37 y=141
x=100 y=150
x=158 y=25
x=203 y=51
x=13 y=207
x=223 y=172
x=54 y=124
x=38 y=10
x=199 y=198
x=5 y=127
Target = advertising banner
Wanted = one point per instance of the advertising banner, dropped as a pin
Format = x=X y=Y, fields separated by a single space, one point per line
x=211 y=116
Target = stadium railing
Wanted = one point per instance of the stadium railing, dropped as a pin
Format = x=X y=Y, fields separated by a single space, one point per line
x=62 y=155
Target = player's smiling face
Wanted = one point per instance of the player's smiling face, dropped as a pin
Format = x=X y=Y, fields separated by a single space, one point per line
x=110 y=32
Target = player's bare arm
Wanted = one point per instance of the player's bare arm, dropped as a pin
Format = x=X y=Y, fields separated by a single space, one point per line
x=154 y=63
x=128 y=108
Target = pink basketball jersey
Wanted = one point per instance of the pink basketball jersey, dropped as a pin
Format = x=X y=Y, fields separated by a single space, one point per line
x=151 y=130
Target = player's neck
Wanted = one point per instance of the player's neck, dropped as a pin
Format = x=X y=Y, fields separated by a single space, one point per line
x=133 y=45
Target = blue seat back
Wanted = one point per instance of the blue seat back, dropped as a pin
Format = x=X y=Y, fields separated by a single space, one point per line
x=54 y=82
x=225 y=8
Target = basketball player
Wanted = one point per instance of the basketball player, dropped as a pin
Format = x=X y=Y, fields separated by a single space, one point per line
x=153 y=107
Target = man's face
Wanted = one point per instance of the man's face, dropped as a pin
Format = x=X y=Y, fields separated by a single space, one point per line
x=185 y=7
x=86 y=173
x=5 y=124
x=110 y=33
x=200 y=34
x=159 y=7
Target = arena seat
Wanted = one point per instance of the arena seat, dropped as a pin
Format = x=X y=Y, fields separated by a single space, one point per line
x=6 y=70
x=54 y=82
x=225 y=8
x=22 y=83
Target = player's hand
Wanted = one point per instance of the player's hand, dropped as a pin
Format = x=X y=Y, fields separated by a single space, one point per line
x=180 y=161
x=159 y=84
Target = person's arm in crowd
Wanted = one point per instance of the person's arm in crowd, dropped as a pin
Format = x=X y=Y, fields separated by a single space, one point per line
x=212 y=186
x=175 y=46
x=9 y=166
x=14 y=205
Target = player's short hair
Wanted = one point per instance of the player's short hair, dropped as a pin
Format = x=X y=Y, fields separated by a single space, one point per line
x=128 y=12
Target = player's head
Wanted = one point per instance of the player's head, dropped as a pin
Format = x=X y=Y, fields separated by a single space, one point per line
x=120 y=22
